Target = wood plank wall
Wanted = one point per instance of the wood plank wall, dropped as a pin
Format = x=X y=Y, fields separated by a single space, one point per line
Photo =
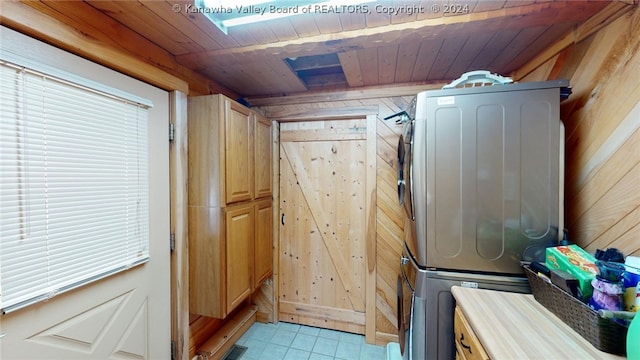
x=602 y=119
x=390 y=220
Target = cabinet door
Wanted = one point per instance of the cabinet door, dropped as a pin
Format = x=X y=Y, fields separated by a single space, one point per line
x=238 y=124
x=467 y=344
x=263 y=249
x=239 y=233
x=263 y=158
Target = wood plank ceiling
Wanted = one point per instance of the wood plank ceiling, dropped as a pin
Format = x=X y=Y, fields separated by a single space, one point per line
x=435 y=44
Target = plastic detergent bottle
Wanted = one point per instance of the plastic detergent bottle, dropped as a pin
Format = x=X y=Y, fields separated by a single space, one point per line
x=631 y=278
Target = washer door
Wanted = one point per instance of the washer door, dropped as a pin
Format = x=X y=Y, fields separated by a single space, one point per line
x=402 y=326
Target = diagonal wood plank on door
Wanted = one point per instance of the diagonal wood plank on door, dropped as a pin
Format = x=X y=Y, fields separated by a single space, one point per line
x=324 y=224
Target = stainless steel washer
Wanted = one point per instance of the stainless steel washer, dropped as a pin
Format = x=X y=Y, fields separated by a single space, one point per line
x=411 y=309
x=425 y=306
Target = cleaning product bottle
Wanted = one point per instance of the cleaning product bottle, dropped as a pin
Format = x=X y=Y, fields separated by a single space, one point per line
x=631 y=278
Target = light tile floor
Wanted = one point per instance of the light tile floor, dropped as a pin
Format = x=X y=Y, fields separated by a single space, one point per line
x=286 y=341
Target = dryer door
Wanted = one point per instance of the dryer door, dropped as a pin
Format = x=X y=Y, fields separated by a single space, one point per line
x=405 y=191
x=401 y=163
x=403 y=326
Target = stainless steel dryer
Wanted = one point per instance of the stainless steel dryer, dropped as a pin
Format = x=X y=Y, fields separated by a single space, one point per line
x=487 y=176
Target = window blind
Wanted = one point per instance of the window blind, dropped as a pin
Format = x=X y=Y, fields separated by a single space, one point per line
x=74 y=203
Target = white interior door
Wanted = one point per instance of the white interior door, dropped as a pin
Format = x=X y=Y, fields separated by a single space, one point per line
x=124 y=316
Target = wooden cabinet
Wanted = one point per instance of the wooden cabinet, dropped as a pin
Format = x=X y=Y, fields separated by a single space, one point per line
x=239 y=235
x=263 y=249
x=230 y=204
x=248 y=155
x=263 y=185
x=238 y=151
x=508 y=325
x=468 y=347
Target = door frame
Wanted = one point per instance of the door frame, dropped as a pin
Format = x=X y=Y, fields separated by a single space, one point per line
x=179 y=225
x=339 y=113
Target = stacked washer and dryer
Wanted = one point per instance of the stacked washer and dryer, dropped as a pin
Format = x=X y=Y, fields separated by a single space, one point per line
x=480 y=176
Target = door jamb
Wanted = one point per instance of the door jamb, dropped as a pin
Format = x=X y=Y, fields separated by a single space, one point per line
x=179 y=225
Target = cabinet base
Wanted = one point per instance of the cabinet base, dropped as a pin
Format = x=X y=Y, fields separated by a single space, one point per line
x=224 y=338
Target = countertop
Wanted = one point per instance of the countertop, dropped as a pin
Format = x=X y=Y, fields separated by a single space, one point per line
x=516 y=326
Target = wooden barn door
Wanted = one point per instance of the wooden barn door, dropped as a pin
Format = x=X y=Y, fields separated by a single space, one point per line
x=326 y=254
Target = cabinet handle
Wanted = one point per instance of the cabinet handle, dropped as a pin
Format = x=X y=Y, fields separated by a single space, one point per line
x=282 y=219
x=467 y=347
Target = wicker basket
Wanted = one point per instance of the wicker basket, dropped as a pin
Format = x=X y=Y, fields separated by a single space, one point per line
x=605 y=334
